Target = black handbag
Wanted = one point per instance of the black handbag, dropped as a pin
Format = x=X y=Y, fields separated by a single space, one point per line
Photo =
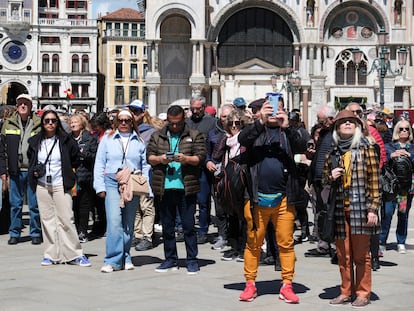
x=389 y=183
x=326 y=218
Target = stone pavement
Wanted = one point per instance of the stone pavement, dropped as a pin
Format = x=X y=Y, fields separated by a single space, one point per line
x=25 y=285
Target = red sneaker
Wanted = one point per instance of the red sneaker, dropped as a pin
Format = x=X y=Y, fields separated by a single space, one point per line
x=287 y=294
x=249 y=293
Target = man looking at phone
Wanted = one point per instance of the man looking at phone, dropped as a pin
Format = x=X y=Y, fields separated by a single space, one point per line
x=270 y=145
x=176 y=154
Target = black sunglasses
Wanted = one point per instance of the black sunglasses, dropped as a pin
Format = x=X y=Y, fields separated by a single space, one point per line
x=179 y=123
x=404 y=129
x=47 y=121
x=23 y=103
x=359 y=111
x=233 y=123
x=127 y=121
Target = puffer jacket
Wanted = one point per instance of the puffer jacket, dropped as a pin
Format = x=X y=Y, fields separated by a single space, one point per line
x=191 y=143
x=87 y=146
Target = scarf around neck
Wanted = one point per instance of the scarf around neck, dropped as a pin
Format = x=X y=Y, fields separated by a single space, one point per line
x=344 y=144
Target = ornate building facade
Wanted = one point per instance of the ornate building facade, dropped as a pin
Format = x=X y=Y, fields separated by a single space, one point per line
x=48 y=50
x=224 y=49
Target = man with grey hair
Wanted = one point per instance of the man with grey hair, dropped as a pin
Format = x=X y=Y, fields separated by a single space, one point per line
x=14 y=162
x=203 y=123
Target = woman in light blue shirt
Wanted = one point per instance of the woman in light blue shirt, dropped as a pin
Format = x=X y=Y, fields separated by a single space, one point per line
x=121 y=147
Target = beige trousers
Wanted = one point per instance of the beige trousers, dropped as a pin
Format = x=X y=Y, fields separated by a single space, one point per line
x=59 y=232
x=144 y=219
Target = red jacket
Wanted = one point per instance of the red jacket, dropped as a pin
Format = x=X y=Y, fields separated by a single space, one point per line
x=378 y=139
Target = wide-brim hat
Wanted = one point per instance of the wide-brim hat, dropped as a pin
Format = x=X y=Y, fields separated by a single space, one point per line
x=347 y=114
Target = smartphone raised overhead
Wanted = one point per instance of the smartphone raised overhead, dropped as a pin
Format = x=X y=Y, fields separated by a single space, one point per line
x=274 y=101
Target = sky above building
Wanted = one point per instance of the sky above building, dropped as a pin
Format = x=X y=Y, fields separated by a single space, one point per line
x=105 y=6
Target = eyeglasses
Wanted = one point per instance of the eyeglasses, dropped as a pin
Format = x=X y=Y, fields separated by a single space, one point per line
x=23 y=103
x=179 y=123
x=127 y=121
x=47 y=121
x=233 y=123
x=404 y=129
x=358 y=111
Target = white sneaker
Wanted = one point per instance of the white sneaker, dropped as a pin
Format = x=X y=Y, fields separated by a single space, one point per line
x=220 y=243
x=129 y=266
x=401 y=249
x=107 y=269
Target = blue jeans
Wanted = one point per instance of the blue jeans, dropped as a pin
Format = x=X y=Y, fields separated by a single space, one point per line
x=119 y=226
x=171 y=201
x=18 y=186
x=402 y=222
x=203 y=199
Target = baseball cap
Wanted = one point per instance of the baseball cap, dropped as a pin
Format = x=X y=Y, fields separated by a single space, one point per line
x=137 y=104
x=24 y=96
x=258 y=103
x=239 y=102
x=210 y=110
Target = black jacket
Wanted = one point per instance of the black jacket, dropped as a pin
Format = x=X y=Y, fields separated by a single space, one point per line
x=70 y=158
x=88 y=145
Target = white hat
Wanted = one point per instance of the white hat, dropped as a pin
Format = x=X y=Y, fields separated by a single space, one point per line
x=49 y=107
x=137 y=104
x=23 y=96
x=125 y=113
x=163 y=116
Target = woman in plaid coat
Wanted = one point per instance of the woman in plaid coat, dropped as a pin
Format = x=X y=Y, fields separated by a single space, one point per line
x=355 y=175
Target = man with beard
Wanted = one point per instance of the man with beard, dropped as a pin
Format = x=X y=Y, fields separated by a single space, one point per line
x=203 y=123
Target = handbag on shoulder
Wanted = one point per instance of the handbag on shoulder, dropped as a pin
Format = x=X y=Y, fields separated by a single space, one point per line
x=140 y=185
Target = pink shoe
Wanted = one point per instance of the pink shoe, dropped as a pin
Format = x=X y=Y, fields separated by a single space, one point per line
x=287 y=294
x=249 y=293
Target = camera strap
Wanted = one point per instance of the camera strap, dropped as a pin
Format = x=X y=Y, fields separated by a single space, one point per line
x=50 y=152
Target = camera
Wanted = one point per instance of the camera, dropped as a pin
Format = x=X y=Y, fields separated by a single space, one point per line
x=170 y=155
x=39 y=170
x=170 y=170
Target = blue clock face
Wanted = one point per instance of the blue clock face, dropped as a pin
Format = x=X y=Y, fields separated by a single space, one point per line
x=14 y=52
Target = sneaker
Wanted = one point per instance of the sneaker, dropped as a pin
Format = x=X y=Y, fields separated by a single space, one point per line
x=229 y=255
x=192 y=268
x=249 y=293
x=381 y=251
x=201 y=239
x=401 y=249
x=109 y=269
x=135 y=241
x=287 y=294
x=129 y=266
x=144 y=245
x=179 y=237
x=167 y=265
x=360 y=302
x=46 y=262
x=81 y=261
x=318 y=253
x=83 y=238
x=220 y=243
x=240 y=258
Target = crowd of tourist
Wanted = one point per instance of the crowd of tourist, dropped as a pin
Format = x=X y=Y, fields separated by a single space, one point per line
x=74 y=172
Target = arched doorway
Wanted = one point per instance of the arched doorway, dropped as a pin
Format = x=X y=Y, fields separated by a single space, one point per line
x=175 y=57
x=10 y=91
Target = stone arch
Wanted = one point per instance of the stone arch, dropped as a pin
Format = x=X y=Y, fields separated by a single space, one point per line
x=279 y=8
x=176 y=9
x=377 y=15
x=14 y=89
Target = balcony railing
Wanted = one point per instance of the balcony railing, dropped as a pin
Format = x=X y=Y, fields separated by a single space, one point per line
x=123 y=33
x=67 y=22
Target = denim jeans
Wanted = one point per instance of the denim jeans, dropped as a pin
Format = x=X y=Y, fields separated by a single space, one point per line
x=203 y=199
x=119 y=226
x=402 y=221
x=18 y=186
x=171 y=201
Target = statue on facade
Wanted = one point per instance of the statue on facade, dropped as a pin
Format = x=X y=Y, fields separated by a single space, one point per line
x=310 y=10
x=397 y=11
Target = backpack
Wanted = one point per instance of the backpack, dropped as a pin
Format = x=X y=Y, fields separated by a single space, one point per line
x=389 y=183
x=403 y=169
x=230 y=187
